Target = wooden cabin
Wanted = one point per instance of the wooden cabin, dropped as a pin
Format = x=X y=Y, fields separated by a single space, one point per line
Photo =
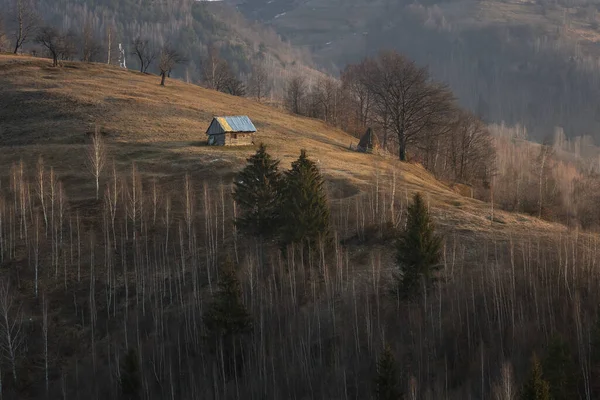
x=231 y=131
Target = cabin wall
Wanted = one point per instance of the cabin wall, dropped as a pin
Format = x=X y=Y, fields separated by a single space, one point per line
x=216 y=140
x=238 y=139
x=231 y=139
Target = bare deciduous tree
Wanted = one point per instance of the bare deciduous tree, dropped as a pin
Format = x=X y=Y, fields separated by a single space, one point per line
x=505 y=388
x=91 y=48
x=215 y=71
x=51 y=39
x=414 y=103
x=41 y=188
x=470 y=148
x=295 y=93
x=354 y=82
x=234 y=86
x=4 y=43
x=145 y=53
x=546 y=152
x=96 y=157
x=11 y=322
x=68 y=45
x=259 y=84
x=109 y=41
x=324 y=99
x=169 y=58
x=26 y=22
x=45 y=330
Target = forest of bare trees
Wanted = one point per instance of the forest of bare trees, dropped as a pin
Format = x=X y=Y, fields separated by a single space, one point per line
x=132 y=295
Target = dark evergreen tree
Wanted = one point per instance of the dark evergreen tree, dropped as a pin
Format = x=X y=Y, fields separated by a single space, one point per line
x=130 y=375
x=305 y=207
x=386 y=381
x=258 y=193
x=418 y=251
x=227 y=316
x=536 y=387
x=560 y=370
x=227 y=323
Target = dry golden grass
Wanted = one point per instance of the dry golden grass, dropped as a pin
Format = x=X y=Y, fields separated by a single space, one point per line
x=48 y=112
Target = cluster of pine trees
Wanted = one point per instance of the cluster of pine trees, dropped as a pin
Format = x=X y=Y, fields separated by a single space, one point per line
x=290 y=208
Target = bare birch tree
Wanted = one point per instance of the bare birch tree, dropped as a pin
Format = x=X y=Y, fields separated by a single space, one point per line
x=45 y=331
x=26 y=22
x=546 y=152
x=504 y=388
x=11 y=322
x=96 y=157
x=215 y=71
x=109 y=41
x=41 y=188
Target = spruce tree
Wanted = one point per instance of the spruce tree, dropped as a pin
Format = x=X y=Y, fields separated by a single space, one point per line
x=305 y=207
x=130 y=375
x=560 y=370
x=536 y=387
x=257 y=193
x=386 y=381
x=227 y=316
x=418 y=251
x=227 y=323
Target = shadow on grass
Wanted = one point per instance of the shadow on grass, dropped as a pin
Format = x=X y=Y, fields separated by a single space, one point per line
x=223 y=148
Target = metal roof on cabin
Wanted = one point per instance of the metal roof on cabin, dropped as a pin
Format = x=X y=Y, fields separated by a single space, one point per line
x=240 y=123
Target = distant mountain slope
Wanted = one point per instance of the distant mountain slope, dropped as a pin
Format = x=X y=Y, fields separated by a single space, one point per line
x=520 y=62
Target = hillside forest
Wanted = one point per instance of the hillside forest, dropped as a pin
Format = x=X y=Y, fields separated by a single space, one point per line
x=271 y=285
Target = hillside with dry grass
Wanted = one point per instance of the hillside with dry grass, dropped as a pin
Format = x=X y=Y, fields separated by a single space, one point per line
x=49 y=112
x=107 y=297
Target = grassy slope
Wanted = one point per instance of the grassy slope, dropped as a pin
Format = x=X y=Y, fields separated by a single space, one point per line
x=48 y=111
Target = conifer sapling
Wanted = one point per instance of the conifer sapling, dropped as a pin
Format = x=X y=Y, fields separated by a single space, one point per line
x=130 y=375
x=386 y=381
x=536 y=387
x=418 y=251
x=227 y=315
